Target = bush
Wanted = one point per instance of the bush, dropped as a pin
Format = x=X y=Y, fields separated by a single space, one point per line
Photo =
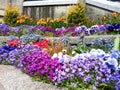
x=76 y=14
x=11 y=14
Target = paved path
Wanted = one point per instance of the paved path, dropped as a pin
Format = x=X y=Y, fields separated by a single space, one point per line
x=1 y=87
x=13 y=79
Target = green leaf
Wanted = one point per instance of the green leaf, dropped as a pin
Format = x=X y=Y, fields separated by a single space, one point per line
x=116 y=43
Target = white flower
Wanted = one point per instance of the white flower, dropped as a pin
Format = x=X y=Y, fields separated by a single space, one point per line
x=54 y=55
x=112 y=61
x=60 y=55
x=73 y=52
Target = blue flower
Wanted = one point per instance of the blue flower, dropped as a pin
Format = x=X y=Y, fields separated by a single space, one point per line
x=115 y=54
x=110 y=28
x=112 y=63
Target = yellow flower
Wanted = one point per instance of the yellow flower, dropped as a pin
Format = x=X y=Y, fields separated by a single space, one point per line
x=63 y=18
x=38 y=23
x=18 y=21
x=22 y=21
x=51 y=21
x=48 y=19
x=18 y=17
x=114 y=14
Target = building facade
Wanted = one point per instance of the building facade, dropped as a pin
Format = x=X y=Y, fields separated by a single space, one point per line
x=56 y=8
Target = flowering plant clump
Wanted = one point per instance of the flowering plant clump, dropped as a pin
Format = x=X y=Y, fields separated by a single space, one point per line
x=15 y=55
x=4 y=29
x=88 y=70
x=27 y=38
x=42 y=44
x=13 y=43
x=114 y=28
x=24 y=19
x=111 y=19
x=96 y=69
x=4 y=53
x=49 y=31
x=105 y=44
x=40 y=64
x=54 y=23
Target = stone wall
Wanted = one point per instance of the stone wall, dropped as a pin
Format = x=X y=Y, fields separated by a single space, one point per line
x=73 y=40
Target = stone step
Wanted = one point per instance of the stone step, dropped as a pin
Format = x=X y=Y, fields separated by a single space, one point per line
x=13 y=79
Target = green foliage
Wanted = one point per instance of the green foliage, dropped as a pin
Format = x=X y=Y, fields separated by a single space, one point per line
x=76 y=14
x=75 y=83
x=10 y=15
x=43 y=79
x=106 y=86
x=19 y=33
x=48 y=34
x=116 y=43
x=81 y=47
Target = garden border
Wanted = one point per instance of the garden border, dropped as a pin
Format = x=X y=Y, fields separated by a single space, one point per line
x=73 y=39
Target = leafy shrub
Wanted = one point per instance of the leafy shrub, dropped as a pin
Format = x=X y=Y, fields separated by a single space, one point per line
x=76 y=14
x=11 y=14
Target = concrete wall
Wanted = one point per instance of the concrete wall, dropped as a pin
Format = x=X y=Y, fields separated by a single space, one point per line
x=43 y=12
x=47 y=8
x=97 y=8
x=94 y=8
x=94 y=12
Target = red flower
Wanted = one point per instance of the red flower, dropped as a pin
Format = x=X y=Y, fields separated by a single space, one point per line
x=99 y=25
x=13 y=43
x=48 y=27
x=42 y=44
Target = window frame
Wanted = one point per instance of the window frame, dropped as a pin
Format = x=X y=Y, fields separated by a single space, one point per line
x=49 y=2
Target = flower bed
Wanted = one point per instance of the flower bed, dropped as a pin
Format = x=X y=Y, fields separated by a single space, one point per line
x=71 y=66
x=48 y=31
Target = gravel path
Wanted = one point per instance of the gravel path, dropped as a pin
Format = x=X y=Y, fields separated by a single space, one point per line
x=13 y=79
